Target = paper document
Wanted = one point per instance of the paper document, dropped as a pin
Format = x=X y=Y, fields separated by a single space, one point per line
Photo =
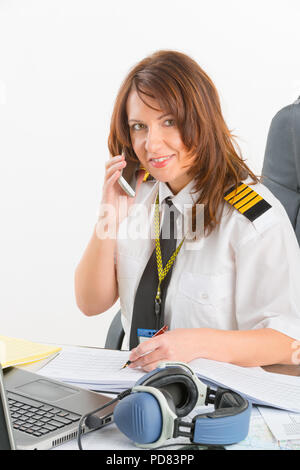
x=15 y=351
x=96 y=368
x=261 y=387
x=284 y=425
x=100 y=369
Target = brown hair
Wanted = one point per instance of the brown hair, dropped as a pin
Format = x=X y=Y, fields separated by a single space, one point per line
x=184 y=90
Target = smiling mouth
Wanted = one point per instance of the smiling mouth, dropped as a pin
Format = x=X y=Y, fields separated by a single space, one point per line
x=161 y=159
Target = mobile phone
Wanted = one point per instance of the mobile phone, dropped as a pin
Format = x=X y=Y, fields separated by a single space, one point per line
x=128 y=178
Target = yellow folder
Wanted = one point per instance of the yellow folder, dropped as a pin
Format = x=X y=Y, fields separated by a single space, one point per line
x=15 y=351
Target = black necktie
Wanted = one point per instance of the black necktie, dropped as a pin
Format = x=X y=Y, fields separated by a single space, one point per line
x=144 y=315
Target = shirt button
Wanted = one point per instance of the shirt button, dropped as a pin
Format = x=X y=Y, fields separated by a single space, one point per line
x=204 y=295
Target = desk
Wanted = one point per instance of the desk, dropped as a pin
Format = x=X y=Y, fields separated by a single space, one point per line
x=110 y=438
x=259 y=437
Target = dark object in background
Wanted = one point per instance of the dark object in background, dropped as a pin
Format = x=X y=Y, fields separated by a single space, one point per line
x=281 y=168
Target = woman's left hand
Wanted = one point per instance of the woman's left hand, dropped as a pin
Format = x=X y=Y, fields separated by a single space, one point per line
x=180 y=344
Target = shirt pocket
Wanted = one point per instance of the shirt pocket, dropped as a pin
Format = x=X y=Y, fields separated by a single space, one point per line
x=206 y=289
x=203 y=301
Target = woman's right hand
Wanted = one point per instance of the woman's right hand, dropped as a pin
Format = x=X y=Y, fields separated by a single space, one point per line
x=112 y=191
x=115 y=203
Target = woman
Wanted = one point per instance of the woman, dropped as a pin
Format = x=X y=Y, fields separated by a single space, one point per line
x=232 y=293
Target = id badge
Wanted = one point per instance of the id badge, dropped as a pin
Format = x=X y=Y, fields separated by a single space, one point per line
x=143 y=334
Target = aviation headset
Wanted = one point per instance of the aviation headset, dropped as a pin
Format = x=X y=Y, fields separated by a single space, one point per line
x=152 y=411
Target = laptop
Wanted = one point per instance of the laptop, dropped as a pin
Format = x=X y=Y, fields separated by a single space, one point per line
x=41 y=413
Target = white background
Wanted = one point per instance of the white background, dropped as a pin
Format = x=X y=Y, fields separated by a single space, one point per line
x=61 y=64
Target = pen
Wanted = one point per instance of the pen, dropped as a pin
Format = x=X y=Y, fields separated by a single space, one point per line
x=159 y=332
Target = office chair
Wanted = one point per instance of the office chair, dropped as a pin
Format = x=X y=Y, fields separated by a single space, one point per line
x=281 y=167
x=115 y=334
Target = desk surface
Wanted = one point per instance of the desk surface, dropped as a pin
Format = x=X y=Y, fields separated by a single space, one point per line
x=259 y=437
x=110 y=438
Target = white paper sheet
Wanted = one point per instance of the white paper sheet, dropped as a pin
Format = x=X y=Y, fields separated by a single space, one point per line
x=92 y=366
x=277 y=390
x=284 y=425
x=101 y=369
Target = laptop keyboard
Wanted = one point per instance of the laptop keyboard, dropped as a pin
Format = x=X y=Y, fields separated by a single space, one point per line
x=38 y=419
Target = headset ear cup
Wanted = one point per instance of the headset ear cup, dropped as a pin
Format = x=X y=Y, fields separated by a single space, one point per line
x=139 y=417
x=169 y=399
x=179 y=384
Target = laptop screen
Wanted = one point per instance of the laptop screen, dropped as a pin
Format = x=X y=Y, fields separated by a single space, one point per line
x=6 y=435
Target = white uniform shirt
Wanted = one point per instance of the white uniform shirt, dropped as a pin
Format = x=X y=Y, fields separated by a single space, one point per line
x=244 y=275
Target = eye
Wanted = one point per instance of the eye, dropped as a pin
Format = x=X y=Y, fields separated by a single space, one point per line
x=138 y=126
x=170 y=122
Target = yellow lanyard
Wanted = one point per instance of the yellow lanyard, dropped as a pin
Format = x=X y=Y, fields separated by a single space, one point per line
x=162 y=271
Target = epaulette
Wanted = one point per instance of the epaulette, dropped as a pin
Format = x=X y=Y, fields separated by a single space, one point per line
x=246 y=201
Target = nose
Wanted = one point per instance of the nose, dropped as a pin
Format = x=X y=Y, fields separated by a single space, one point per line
x=154 y=141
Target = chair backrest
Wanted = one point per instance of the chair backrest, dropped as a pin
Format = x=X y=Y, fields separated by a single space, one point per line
x=281 y=168
x=115 y=334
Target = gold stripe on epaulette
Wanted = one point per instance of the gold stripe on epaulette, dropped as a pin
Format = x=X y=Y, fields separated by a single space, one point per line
x=247 y=201
x=241 y=195
x=235 y=191
x=243 y=200
x=251 y=203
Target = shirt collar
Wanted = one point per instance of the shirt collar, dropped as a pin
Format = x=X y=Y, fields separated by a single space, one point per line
x=185 y=198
